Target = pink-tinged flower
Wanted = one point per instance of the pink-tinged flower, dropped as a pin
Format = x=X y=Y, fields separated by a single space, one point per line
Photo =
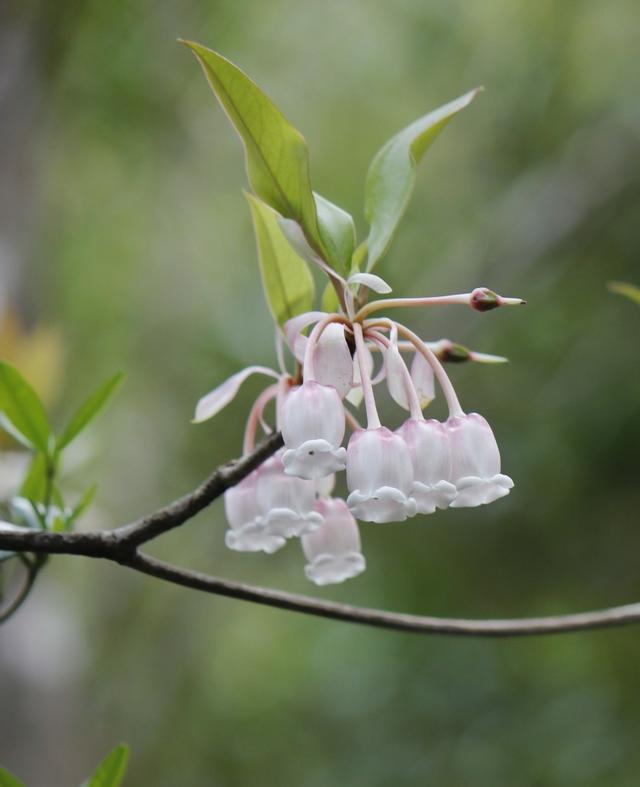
x=475 y=462
x=247 y=529
x=333 y=550
x=286 y=503
x=312 y=425
x=379 y=476
x=430 y=451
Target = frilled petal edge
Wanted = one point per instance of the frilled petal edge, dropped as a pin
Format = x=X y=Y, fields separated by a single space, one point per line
x=428 y=498
x=253 y=537
x=314 y=459
x=286 y=523
x=332 y=569
x=475 y=491
x=385 y=504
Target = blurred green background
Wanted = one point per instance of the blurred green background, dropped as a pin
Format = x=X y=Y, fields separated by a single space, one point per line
x=123 y=231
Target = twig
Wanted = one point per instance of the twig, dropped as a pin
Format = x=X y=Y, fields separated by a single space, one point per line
x=121 y=546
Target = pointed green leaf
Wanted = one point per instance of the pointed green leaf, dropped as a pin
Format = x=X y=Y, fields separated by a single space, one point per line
x=111 y=770
x=277 y=158
x=338 y=234
x=392 y=173
x=34 y=485
x=82 y=505
x=7 y=780
x=287 y=281
x=89 y=410
x=628 y=290
x=22 y=414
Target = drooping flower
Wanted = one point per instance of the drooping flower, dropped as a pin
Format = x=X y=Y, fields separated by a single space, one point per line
x=379 y=476
x=430 y=451
x=313 y=425
x=286 y=503
x=475 y=462
x=333 y=551
x=247 y=528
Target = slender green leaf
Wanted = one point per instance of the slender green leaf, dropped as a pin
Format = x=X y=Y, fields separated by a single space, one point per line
x=338 y=234
x=628 y=290
x=287 y=281
x=89 y=410
x=82 y=505
x=392 y=174
x=23 y=414
x=111 y=770
x=277 y=158
x=7 y=780
x=34 y=485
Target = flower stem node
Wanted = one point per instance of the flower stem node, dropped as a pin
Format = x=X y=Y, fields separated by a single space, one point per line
x=379 y=476
x=285 y=502
x=247 y=529
x=333 y=551
x=430 y=451
x=475 y=462
x=313 y=425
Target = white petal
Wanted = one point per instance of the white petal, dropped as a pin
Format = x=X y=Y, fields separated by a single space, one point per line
x=291 y=524
x=216 y=400
x=382 y=505
x=312 y=412
x=254 y=537
x=397 y=377
x=378 y=458
x=423 y=379
x=356 y=395
x=331 y=570
x=293 y=331
x=371 y=281
x=332 y=361
x=428 y=498
x=314 y=459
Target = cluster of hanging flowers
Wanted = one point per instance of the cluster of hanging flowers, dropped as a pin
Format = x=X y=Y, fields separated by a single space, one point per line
x=423 y=466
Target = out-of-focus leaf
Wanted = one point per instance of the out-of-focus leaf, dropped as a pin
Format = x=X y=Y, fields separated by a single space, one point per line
x=330 y=301
x=87 y=411
x=287 y=281
x=338 y=234
x=34 y=485
x=7 y=780
x=628 y=290
x=23 y=511
x=21 y=411
x=276 y=153
x=392 y=174
x=111 y=770
x=82 y=505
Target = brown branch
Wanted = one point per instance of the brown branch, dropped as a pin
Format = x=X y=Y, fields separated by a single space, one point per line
x=121 y=546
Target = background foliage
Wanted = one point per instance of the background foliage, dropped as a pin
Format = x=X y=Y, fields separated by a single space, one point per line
x=124 y=231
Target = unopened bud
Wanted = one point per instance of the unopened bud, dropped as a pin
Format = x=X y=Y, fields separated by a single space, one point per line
x=484 y=299
x=454 y=353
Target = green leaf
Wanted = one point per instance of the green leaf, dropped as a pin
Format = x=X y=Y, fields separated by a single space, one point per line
x=392 y=174
x=276 y=154
x=286 y=279
x=35 y=484
x=82 y=505
x=89 y=410
x=7 y=780
x=628 y=290
x=111 y=770
x=338 y=234
x=22 y=414
x=330 y=301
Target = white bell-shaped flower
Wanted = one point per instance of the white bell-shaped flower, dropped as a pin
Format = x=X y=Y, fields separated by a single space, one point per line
x=428 y=443
x=247 y=529
x=379 y=476
x=475 y=462
x=333 y=551
x=286 y=503
x=313 y=424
